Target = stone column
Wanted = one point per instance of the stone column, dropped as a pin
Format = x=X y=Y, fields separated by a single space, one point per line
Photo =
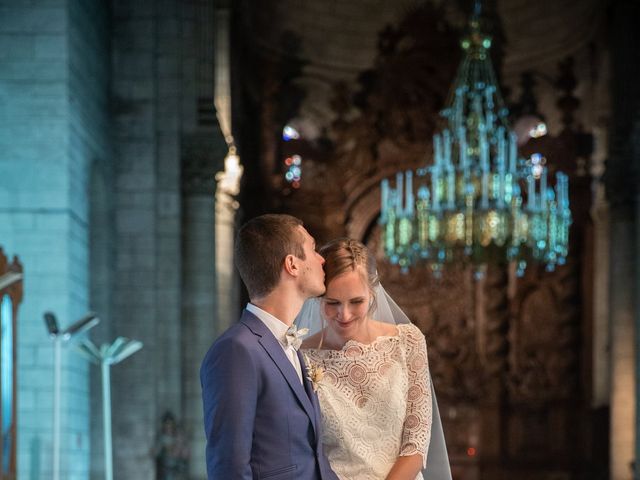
x=208 y=286
x=228 y=180
x=199 y=299
x=226 y=208
x=636 y=295
x=621 y=180
x=623 y=368
x=601 y=359
x=203 y=151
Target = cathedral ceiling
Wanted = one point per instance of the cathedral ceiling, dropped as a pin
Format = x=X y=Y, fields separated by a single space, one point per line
x=336 y=39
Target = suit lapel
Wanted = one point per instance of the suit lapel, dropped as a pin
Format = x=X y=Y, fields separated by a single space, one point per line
x=310 y=393
x=275 y=351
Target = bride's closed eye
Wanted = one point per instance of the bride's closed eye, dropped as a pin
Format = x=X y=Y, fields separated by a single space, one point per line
x=355 y=301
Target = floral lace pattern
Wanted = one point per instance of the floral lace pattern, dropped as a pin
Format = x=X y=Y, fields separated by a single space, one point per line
x=376 y=403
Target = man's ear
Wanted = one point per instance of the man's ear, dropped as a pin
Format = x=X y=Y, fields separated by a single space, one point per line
x=291 y=265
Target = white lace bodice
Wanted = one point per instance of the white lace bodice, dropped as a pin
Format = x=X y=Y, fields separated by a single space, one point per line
x=376 y=403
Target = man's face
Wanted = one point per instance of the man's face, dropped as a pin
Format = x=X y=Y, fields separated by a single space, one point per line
x=312 y=278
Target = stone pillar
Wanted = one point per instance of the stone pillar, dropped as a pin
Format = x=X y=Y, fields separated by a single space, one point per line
x=52 y=127
x=636 y=295
x=228 y=180
x=198 y=313
x=623 y=368
x=146 y=85
x=621 y=180
x=601 y=359
x=226 y=208
x=199 y=299
x=223 y=69
x=209 y=289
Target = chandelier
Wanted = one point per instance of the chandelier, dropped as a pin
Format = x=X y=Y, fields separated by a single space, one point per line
x=478 y=202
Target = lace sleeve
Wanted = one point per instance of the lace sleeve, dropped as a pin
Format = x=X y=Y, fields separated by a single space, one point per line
x=416 y=430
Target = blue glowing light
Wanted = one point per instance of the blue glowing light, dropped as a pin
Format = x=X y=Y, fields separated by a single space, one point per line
x=290 y=133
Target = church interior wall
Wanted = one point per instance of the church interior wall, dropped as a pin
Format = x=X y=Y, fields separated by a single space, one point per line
x=54 y=120
x=109 y=146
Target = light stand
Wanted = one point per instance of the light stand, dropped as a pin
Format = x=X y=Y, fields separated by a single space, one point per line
x=106 y=356
x=9 y=278
x=90 y=320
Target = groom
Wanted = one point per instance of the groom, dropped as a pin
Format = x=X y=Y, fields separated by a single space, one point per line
x=261 y=416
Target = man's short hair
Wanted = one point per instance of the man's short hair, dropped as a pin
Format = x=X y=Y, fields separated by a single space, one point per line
x=261 y=247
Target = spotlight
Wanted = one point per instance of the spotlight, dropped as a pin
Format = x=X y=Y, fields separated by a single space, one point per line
x=52 y=324
x=87 y=322
x=9 y=279
x=90 y=320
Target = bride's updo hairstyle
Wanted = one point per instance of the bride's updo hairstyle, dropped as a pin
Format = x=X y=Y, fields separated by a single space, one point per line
x=344 y=255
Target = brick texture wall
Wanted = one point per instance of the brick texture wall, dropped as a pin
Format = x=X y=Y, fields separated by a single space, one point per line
x=53 y=126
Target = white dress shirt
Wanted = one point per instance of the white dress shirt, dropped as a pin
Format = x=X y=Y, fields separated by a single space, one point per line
x=279 y=329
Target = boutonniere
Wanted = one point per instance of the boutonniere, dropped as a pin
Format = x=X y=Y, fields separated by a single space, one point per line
x=315 y=373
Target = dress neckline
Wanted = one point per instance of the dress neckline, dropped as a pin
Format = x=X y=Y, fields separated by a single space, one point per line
x=364 y=346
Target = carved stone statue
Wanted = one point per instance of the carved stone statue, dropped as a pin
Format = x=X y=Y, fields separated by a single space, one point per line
x=170 y=451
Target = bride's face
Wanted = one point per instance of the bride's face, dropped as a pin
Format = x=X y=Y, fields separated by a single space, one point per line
x=346 y=306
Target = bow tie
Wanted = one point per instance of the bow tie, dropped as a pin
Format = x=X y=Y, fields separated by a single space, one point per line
x=293 y=337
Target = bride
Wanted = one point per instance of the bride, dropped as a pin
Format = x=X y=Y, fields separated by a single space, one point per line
x=368 y=364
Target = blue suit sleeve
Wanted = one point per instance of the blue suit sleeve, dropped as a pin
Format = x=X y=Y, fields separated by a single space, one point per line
x=229 y=391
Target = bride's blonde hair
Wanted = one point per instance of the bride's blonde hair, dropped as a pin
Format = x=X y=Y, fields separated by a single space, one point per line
x=344 y=255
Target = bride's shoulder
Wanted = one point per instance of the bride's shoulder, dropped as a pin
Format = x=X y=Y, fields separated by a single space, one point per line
x=312 y=342
x=410 y=330
x=383 y=329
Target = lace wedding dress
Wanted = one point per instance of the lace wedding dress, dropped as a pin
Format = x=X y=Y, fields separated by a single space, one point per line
x=376 y=403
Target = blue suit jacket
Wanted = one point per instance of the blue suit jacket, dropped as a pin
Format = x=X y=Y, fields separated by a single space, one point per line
x=260 y=421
